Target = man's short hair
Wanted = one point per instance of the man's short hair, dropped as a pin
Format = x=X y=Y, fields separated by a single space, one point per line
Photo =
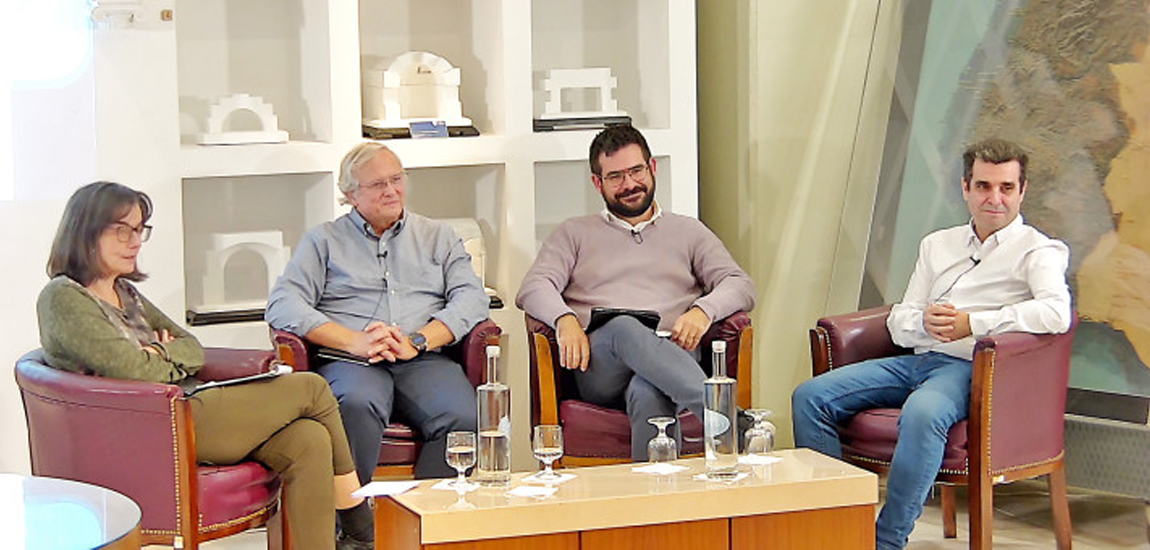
x=354 y=160
x=612 y=139
x=994 y=151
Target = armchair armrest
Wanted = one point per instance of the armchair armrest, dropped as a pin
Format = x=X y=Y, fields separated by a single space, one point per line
x=292 y=349
x=850 y=338
x=226 y=363
x=544 y=386
x=82 y=390
x=471 y=351
x=1018 y=396
x=736 y=330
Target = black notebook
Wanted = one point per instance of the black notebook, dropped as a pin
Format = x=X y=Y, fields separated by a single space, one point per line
x=191 y=384
x=335 y=354
x=600 y=315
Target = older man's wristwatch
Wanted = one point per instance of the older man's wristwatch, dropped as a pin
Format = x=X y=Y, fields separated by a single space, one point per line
x=419 y=342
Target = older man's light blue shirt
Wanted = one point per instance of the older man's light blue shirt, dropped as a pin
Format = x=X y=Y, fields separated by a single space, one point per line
x=342 y=272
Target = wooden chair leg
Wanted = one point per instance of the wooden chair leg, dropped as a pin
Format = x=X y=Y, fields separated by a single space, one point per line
x=277 y=529
x=981 y=505
x=949 y=514
x=1060 y=506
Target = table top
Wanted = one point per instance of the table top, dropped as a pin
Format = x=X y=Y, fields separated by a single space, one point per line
x=605 y=497
x=44 y=512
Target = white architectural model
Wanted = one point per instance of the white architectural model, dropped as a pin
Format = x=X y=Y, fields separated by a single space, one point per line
x=267 y=244
x=417 y=86
x=472 y=237
x=558 y=80
x=269 y=123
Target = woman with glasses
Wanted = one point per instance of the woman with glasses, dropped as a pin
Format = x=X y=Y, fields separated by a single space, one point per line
x=93 y=320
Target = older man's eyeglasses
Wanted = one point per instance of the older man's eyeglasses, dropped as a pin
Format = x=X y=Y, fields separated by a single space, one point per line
x=394 y=181
x=124 y=231
x=637 y=173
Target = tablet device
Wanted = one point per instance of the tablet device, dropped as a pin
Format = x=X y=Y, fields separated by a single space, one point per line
x=191 y=385
x=334 y=354
x=600 y=315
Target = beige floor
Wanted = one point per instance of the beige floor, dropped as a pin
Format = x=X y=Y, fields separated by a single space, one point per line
x=1021 y=520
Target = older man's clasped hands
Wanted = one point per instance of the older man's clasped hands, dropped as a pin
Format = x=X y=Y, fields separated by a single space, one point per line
x=381 y=341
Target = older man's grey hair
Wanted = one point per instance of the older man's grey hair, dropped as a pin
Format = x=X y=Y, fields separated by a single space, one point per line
x=354 y=160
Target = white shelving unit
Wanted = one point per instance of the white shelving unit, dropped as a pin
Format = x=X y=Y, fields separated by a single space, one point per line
x=305 y=58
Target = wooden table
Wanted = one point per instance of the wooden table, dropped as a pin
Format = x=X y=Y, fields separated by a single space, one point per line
x=807 y=500
x=45 y=512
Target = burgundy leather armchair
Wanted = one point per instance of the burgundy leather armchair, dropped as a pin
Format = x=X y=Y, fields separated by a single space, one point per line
x=600 y=435
x=1014 y=431
x=137 y=438
x=400 y=446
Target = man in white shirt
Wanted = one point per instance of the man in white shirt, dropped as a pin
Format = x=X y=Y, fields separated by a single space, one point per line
x=992 y=275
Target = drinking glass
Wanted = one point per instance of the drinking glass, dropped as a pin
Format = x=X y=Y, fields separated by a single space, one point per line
x=760 y=437
x=547 y=444
x=662 y=448
x=461 y=455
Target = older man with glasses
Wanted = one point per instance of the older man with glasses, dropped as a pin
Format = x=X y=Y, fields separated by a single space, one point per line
x=391 y=287
x=633 y=255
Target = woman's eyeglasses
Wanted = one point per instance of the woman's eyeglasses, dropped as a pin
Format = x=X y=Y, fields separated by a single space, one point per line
x=124 y=231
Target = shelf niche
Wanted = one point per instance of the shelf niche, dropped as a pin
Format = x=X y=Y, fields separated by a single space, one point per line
x=467 y=33
x=275 y=49
x=464 y=192
x=629 y=36
x=288 y=203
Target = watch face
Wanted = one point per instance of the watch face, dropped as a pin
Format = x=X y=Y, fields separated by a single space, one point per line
x=418 y=340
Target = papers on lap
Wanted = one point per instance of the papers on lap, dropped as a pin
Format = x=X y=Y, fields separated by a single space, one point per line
x=384 y=488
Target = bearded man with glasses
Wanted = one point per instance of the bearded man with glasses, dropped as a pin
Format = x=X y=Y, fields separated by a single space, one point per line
x=634 y=255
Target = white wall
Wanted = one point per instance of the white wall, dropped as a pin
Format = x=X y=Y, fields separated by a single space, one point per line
x=52 y=133
x=65 y=135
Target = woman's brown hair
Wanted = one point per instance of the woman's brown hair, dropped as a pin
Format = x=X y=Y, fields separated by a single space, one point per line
x=90 y=210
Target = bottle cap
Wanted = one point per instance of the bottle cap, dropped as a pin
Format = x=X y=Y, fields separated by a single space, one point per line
x=492 y=351
x=719 y=346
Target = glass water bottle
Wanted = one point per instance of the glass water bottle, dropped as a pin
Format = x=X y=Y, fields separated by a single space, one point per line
x=493 y=467
x=719 y=429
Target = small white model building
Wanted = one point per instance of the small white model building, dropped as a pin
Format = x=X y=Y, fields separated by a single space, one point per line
x=267 y=244
x=221 y=110
x=472 y=237
x=417 y=86
x=599 y=78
